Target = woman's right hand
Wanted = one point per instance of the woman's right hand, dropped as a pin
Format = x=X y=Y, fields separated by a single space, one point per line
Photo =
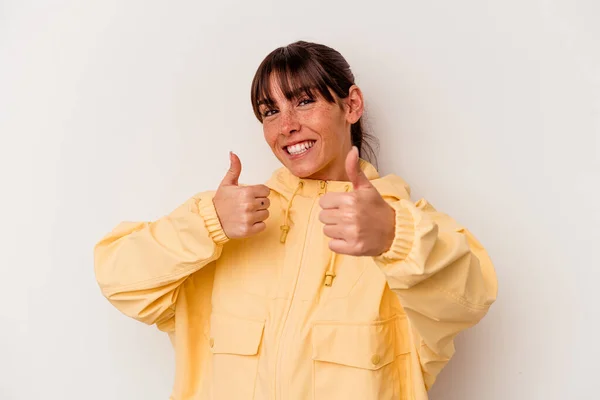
x=242 y=210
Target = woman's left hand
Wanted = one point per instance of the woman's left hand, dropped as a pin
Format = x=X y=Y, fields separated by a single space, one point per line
x=360 y=223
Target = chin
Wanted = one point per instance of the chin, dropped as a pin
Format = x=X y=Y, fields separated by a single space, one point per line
x=305 y=166
x=302 y=171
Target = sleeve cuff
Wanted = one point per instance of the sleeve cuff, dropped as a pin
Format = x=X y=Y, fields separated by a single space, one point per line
x=207 y=211
x=403 y=237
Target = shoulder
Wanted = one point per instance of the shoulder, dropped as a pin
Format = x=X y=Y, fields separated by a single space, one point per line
x=392 y=186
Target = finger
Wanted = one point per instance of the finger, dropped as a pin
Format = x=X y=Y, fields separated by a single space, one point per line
x=257 y=228
x=334 y=231
x=355 y=174
x=235 y=169
x=333 y=200
x=259 y=190
x=258 y=216
x=340 y=246
x=330 y=216
x=262 y=203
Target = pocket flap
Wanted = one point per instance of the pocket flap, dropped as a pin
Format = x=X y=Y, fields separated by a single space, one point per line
x=368 y=346
x=233 y=335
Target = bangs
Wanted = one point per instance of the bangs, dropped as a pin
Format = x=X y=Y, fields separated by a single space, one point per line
x=295 y=73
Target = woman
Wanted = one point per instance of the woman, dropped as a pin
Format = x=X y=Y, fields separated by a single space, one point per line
x=325 y=283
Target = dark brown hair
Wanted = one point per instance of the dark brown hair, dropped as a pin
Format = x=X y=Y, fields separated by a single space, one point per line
x=301 y=68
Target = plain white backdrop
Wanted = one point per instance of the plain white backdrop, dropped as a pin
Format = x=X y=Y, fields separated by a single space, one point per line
x=114 y=110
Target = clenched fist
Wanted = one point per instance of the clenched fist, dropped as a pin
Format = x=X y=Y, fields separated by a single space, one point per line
x=360 y=223
x=242 y=210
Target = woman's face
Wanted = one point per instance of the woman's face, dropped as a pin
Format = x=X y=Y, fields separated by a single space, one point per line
x=311 y=137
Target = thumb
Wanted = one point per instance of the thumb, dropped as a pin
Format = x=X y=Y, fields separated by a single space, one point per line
x=355 y=174
x=235 y=169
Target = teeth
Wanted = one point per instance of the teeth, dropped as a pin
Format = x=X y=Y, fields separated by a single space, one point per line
x=300 y=147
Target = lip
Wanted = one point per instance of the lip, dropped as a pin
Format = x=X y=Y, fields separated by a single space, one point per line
x=298 y=156
x=296 y=142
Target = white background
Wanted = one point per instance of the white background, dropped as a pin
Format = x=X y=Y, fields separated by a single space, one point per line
x=114 y=110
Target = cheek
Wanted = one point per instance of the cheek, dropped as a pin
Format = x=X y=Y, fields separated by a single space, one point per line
x=327 y=121
x=270 y=135
x=330 y=131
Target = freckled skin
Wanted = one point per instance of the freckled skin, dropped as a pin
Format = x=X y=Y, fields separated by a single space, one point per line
x=290 y=121
x=359 y=223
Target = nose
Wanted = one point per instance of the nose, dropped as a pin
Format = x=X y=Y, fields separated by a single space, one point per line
x=289 y=122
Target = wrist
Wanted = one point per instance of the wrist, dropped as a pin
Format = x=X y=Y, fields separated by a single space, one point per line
x=208 y=212
x=390 y=229
x=404 y=232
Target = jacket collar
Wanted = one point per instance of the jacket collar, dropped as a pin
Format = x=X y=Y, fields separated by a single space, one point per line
x=286 y=183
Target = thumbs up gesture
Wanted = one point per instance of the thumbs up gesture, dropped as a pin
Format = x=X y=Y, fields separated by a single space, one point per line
x=242 y=210
x=359 y=223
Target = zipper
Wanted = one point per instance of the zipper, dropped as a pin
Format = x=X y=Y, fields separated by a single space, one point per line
x=279 y=355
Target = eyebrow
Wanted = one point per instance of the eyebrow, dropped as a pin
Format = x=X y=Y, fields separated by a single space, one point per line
x=300 y=91
x=296 y=93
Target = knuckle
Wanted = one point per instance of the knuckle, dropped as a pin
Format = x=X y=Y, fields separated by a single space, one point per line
x=360 y=246
x=322 y=200
x=349 y=218
x=351 y=200
x=247 y=193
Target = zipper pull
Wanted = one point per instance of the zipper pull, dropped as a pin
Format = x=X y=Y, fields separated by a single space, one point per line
x=329 y=275
x=284 y=232
x=323 y=188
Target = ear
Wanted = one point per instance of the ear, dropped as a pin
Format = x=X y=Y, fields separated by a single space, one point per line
x=354 y=104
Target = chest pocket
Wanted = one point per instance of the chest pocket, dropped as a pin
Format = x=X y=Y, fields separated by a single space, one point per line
x=235 y=345
x=366 y=361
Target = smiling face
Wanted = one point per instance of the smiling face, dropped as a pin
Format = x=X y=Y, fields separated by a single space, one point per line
x=305 y=97
x=307 y=133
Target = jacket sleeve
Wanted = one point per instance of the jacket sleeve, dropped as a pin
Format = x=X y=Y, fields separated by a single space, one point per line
x=443 y=276
x=140 y=266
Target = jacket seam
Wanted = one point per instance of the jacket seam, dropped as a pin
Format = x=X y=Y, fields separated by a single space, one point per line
x=472 y=307
x=135 y=286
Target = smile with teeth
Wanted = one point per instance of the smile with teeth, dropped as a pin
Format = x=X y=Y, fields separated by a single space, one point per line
x=300 y=148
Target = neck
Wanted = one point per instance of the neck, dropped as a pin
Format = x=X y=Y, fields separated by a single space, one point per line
x=330 y=175
x=335 y=171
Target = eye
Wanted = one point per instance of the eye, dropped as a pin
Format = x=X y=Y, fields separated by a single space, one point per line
x=305 y=101
x=268 y=112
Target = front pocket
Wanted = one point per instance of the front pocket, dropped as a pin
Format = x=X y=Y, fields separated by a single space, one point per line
x=235 y=344
x=361 y=361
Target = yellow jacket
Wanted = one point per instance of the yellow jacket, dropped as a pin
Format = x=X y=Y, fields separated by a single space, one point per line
x=279 y=316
